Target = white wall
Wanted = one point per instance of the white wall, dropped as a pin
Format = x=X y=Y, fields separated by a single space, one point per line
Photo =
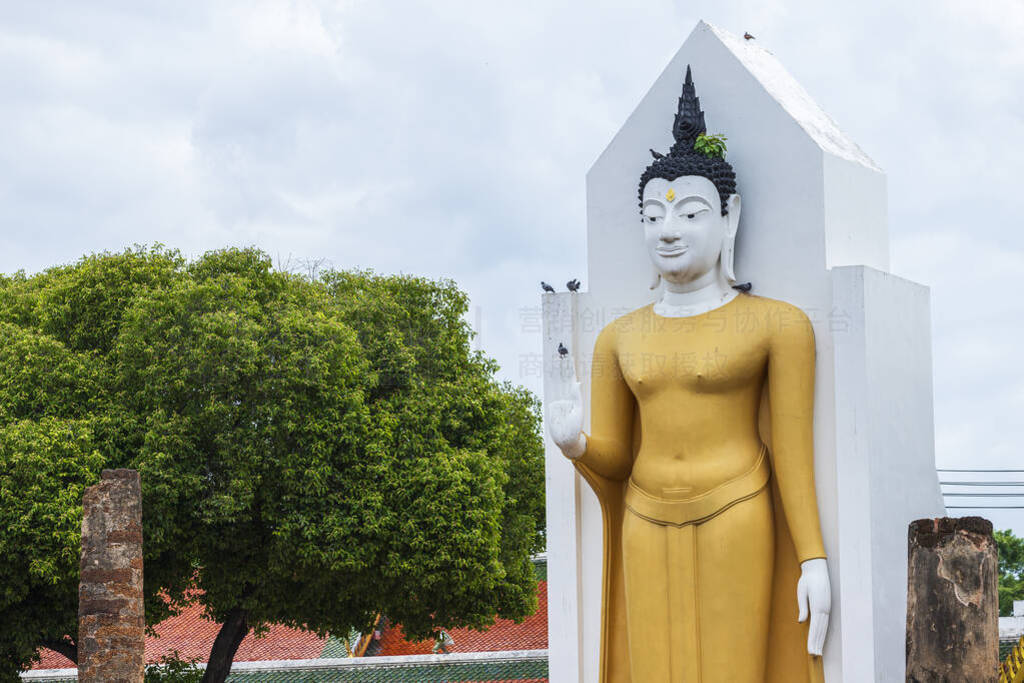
x=1011 y=627
x=884 y=454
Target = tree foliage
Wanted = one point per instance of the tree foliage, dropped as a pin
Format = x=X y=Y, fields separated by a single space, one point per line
x=45 y=466
x=173 y=669
x=312 y=452
x=1011 y=570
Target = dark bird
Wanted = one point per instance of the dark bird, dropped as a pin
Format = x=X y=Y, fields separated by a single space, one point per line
x=657 y=155
x=562 y=351
x=546 y=287
x=748 y=36
x=743 y=287
x=573 y=285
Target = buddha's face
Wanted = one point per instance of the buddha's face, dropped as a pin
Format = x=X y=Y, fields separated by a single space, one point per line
x=683 y=227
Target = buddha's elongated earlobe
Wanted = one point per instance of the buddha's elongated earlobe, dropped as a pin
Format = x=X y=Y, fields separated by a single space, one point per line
x=655 y=277
x=729 y=239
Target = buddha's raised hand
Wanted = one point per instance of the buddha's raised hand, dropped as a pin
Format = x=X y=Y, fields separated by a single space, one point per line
x=564 y=411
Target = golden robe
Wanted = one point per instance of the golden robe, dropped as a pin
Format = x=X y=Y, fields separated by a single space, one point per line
x=701 y=454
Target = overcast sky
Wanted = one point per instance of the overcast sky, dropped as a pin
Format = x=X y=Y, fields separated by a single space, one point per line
x=451 y=139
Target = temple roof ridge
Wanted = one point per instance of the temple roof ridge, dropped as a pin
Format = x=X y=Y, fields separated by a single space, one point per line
x=791 y=96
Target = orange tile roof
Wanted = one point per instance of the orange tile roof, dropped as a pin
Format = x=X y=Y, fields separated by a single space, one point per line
x=532 y=634
x=192 y=636
x=48 y=659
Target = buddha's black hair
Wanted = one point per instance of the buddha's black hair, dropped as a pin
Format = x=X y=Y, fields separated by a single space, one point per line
x=683 y=159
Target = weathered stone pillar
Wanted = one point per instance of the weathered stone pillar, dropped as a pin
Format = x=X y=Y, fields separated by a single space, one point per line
x=952 y=601
x=111 y=619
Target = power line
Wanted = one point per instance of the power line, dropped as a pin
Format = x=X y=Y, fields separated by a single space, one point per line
x=943 y=469
x=985 y=495
x=982 y=484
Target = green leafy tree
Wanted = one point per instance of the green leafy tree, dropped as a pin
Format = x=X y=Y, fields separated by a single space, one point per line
x=1011 y=570
x=312 y=452
x=173 y=669
x=45 y=466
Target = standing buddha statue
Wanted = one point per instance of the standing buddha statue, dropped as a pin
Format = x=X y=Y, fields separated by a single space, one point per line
x=701 y=450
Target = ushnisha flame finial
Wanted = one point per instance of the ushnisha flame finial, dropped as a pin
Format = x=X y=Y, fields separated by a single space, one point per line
x=683 y=159
x=689 y=121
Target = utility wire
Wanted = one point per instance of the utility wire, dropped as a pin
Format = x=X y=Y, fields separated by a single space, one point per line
x=943 y=469
x=986 y=495
x=982 y=483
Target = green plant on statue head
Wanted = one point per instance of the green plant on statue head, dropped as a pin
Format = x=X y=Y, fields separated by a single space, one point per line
x=711 y=146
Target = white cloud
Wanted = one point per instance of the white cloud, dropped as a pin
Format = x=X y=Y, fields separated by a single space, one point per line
x=452 y=139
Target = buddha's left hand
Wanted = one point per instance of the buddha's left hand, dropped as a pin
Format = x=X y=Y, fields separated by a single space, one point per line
x=814 y=597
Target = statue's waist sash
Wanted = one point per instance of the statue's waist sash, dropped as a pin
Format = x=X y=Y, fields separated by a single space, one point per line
x=702 y=507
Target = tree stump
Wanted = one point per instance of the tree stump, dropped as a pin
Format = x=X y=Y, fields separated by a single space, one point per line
x=952 y=601
x=111 y=616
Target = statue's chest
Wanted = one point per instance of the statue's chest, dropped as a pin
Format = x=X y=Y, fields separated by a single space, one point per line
x=699 y=358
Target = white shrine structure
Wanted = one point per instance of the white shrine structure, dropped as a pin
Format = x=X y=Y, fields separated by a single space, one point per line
x=813 y=233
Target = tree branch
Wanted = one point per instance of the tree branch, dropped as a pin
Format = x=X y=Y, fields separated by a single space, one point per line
x=222 y=654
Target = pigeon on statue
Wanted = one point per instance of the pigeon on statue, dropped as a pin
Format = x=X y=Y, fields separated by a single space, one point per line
x=562 y=351
x=573 y=285
x=743 y=287
x=546 y=287
x=748 y=36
